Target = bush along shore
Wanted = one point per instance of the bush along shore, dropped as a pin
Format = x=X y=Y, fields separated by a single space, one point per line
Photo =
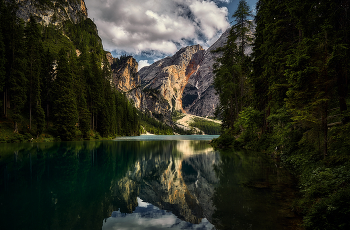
x=289 y=98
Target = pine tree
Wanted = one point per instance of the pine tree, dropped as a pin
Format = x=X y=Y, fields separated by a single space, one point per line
x=77 y=70
x=34 y=51
x=65 y=105
x=232 y=69
x=17 y=79
x=243 y=27
x=316 y=71
x=275 y=34
x=94 y=85
x=2 y=56
x=47 y=76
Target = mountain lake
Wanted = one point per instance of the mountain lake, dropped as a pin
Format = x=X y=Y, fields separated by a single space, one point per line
x=146 y=182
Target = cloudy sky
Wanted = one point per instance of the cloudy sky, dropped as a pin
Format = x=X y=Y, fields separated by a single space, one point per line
x=152 y=29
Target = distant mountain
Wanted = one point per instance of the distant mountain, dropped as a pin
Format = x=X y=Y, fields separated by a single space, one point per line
x=52 y=12
x=185 y=79
x=181 y=82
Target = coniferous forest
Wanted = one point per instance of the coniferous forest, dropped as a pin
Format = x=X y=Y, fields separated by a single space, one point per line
x=290 y=98
x=56 y=80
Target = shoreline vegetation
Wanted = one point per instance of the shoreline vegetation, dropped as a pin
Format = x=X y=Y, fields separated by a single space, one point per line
x=184 y=124
x=289 y=99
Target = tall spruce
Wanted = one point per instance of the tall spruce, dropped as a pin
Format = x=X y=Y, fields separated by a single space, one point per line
x=17 y=78
x=81 y=94
x=34 y=51
x=65 y=105
x=232 y=69
x=2 y=56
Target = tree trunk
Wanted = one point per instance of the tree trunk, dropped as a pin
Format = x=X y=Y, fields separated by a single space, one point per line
x=47 y=111
x=93 y=121
x=16 y=128
x=325 y=133
x=4 y=103
x=30 y=112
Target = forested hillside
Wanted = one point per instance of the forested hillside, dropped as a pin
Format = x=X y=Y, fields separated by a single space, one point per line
x=55 y=79
x=290 y=98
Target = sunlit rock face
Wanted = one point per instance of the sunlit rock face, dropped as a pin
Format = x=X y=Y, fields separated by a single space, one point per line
x=185 y=79
x=170 y=75
x=183 y=185
x=54 y=12
x=199 y=95
x=125 y=77
x=182 y=82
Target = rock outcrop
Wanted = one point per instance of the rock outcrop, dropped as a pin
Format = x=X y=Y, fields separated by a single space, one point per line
x=125 y=76
x=185 y=79
x=170 y=75
x=52 y=12
x=126 y=79
x=199 y=96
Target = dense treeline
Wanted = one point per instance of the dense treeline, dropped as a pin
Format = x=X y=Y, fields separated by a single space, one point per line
x=151 y=125
x=291 y=98
x=208 y=127
x=56 y=79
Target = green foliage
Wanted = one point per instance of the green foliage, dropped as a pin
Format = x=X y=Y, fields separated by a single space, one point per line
x=208 y=127
x=331 y=212
x=249 y=119
x=232 y=69
x=177 y=115
x=226 y=140
x=154 y=126
x=65 y=110
x=51 y=80
x=298 y=100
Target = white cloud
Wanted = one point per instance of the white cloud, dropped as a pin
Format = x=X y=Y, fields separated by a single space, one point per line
x=143 y=63
x=209 y=17
x=162 y=26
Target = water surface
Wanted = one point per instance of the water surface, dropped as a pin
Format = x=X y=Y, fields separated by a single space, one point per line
x=147 y=182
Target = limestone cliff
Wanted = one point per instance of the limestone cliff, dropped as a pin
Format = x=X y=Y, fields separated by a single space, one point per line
x=182 y=82
x=125 y=76
x=199 y=96
x=185 y=79
x=52 y=12
x=126 y=79
x=170 y=75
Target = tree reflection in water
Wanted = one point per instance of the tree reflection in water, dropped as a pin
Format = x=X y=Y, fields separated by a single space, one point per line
x=80 y=185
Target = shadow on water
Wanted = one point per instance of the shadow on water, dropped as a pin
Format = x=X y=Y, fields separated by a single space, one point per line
x=177 y=184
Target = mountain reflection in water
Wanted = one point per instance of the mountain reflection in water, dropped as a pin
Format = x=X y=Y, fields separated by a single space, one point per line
x=147 y=216
x=138 y=184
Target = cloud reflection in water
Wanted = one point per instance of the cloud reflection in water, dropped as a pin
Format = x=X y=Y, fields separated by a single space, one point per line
x=147 y=216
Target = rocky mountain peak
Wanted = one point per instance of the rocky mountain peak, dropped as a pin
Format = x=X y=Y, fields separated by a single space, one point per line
x=52 y=12
x=125 y=76
x=170 y=75
x=185 y=79
x=181 y=82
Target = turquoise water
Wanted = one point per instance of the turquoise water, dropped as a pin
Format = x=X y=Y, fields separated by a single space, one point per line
x=168 y=138
x=147 y=182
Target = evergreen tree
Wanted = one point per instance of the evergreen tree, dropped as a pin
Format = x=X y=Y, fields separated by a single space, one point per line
x=275 y=34
x=34 y=51
x=65 y=105
x=94 y=83
x=232 y=69
x=2 y=55
x=243 y=27
x=17 y=79
x=47 y=77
